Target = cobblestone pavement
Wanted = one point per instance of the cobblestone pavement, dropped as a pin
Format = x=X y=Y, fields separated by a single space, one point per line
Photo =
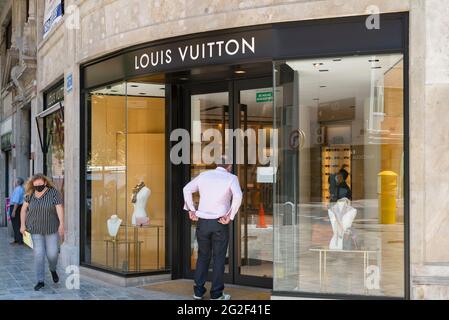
x=17 y=280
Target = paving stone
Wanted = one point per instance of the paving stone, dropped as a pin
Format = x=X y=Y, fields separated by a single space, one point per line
x=17 y=281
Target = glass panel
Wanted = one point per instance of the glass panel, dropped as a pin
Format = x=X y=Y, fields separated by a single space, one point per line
x=338 y=201
x=126 y=178
x=54 y=128
x=255 y=223
x=106 y=179
x=146 y=175
x=208 y=112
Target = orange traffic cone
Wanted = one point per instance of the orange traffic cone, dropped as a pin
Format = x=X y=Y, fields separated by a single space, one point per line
x=262 y=223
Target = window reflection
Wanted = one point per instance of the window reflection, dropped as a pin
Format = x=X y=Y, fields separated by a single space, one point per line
x=339 y=221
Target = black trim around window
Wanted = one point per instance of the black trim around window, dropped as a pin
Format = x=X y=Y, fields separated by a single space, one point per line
x=313 y=38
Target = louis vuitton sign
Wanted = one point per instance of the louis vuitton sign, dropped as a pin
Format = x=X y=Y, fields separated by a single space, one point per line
x=201 y=51
x=197 y=52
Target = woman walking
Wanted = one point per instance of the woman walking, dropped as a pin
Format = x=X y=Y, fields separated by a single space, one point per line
x=42 y=215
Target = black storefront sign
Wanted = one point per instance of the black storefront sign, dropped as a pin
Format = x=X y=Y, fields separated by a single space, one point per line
x=236 y=47
x=242 y=46
x=329 y=37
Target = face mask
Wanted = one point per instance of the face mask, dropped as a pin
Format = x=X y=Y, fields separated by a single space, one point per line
x=39 y=188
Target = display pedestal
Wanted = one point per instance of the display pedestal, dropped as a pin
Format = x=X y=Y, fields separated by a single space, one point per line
x=116 y=243
x=136 y=238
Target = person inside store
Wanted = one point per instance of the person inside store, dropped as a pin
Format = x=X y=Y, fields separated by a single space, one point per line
x=342 y=189
x=220 y=200
x=15 y=207
x=338 y=187
x=42 y=215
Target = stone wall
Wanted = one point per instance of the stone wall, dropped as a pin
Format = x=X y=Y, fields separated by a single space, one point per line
x=429 y=163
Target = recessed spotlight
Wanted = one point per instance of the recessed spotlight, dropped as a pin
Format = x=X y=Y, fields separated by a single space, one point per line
x=239 y=71
x=316 y=99
x=317 y=64
x=114 y=91
x=142 y=93
x=337 y=60
x=134 y=86
x=323 y=86
x=324 y=70
x=162 y=88
x=376 y=67
x=184 y=79
x=373 y=60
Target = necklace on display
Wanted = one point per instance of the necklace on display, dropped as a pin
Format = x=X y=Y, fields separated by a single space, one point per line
x=136 y=190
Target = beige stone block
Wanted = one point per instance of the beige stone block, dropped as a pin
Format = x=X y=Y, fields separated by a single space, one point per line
x=437 y=131
x=436 y=221
x=430 y=292
x=437 y=41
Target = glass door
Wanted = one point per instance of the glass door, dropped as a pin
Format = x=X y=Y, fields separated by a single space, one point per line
x=253 y=250
x=245 y=107
x=287 y=187
x=209 y=119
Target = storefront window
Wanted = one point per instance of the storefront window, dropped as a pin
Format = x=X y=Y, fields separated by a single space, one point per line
x=55 y=153
x=339 y=196
x=125 y=222
x=54 y=136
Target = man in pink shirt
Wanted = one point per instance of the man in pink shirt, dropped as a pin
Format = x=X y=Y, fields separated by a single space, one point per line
x=220 y=200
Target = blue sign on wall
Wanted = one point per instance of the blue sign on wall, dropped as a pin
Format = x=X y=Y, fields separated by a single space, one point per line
x=69 y=83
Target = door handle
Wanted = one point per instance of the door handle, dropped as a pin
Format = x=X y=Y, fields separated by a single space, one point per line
x=297 y=139
x=292 y=211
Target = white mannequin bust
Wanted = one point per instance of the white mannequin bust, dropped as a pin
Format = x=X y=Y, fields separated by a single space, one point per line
x=114 y=223
x=141 y=194
x=341 y=216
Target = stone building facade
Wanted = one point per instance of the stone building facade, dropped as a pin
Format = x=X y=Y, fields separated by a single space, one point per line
x=90 y=30
x=18 y=91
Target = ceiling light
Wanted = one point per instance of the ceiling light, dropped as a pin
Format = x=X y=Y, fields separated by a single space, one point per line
x=373 y=60
x=239 y=71
x=134 y=86
x=142 y=93
x=317 y=64
x=324 y=70
x=184 y=79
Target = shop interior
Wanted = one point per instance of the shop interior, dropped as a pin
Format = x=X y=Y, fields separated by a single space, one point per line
x=127 y=173
x=350 y=111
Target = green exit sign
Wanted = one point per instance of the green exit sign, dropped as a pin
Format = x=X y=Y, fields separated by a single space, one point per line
x=264 y=96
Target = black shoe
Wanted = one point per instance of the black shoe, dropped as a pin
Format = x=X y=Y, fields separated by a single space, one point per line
x=39 y=286
x=55 y=276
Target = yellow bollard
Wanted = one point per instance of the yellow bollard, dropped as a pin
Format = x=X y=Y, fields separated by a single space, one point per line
x=388 y=189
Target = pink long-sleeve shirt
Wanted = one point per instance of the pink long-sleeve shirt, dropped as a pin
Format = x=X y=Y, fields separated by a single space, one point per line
x=220 y=194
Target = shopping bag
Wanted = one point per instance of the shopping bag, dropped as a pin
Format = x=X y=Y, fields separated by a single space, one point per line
x=27 y=239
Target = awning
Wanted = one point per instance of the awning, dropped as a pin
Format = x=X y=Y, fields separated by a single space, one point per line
x=54 y=108
x=57 y=107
